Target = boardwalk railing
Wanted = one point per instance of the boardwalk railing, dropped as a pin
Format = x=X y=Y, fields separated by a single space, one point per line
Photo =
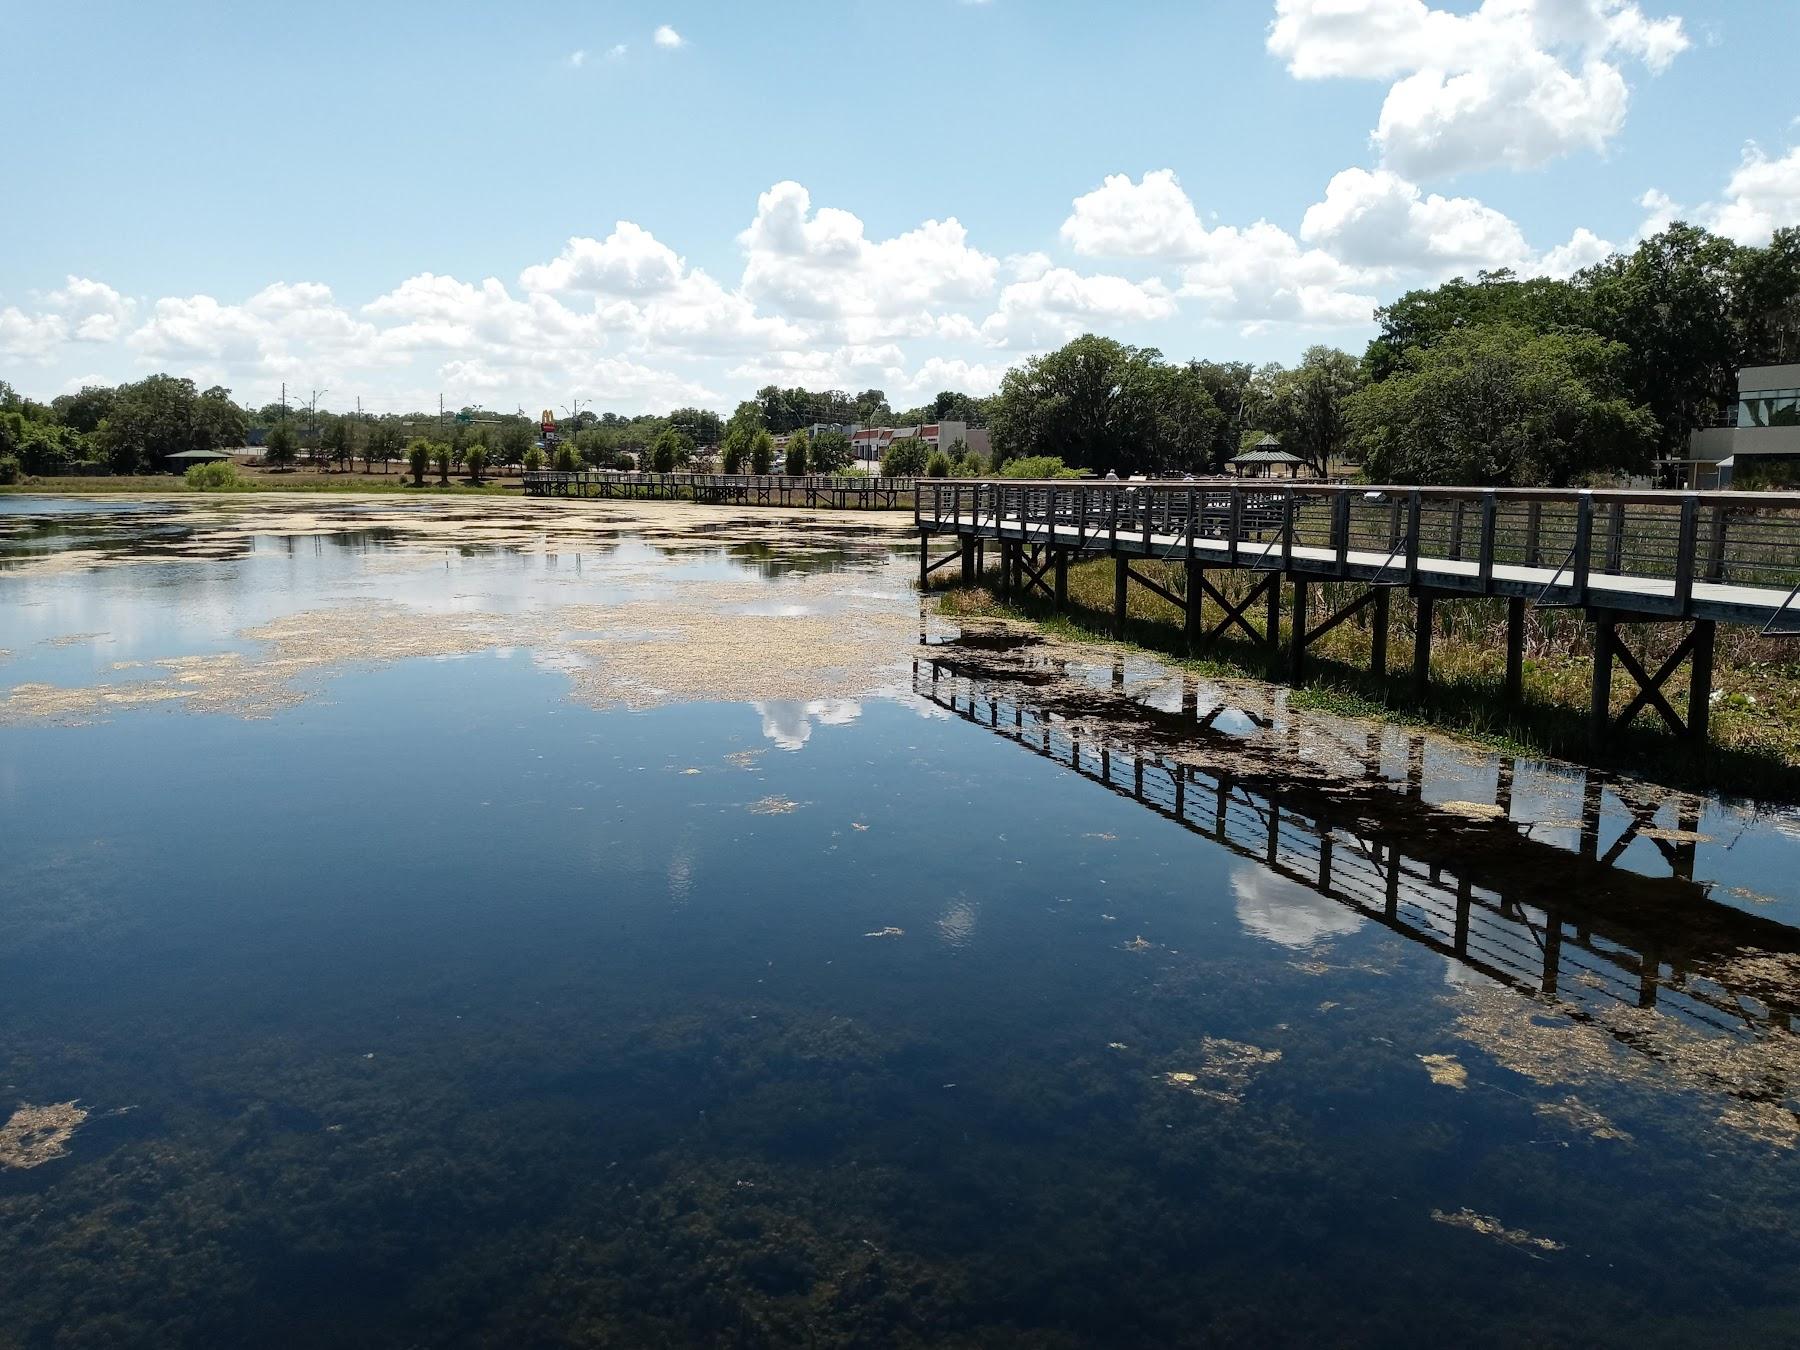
x=726 y=489
x=1697 y=557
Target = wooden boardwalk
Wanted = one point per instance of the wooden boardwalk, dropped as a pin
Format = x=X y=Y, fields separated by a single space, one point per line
x=728 y=489
x=1699 y=559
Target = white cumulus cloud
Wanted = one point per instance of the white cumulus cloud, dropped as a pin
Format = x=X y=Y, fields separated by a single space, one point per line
x=1511 y=83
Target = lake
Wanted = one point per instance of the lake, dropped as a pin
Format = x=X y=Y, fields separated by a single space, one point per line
x=461 y=922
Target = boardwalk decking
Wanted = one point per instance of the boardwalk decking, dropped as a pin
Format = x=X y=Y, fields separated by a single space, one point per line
x=1700 y=559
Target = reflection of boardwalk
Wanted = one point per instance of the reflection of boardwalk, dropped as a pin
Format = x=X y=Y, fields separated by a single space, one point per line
x=1547 y=921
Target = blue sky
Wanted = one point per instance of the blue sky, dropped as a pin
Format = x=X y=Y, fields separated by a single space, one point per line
x=395 y=199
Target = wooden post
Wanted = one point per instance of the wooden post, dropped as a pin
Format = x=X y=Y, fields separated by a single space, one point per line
x=1686 y=546
x=1062 y=578
x=1700 y=673
x=968 y=558
x=924 y=565
x=1422 y=625
x=1272 y=623
x=1378 y=634
x=1600 y=707
x=1297 y=633
x=1121 y=574
x=1195 y=599
x=1515 y=650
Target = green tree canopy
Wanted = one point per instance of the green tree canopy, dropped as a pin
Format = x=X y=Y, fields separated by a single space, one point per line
x=671 y=451
x=1500 y=405
x=282 y=447
x=905 y=458
x=762 y=450
x=797 y=448
x=1107 y=405
x=830 y=452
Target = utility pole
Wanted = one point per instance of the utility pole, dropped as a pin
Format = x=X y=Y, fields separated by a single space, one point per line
x=440 y=417
x=312 y=424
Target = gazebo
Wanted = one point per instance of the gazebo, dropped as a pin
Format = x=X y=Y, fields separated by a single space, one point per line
x=1266 y=459
x=186 y=460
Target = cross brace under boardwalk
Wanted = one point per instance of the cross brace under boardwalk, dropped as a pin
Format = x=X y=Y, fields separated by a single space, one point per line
x=1696 y=649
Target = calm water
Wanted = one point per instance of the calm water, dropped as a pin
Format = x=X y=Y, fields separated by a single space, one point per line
x=586 y=928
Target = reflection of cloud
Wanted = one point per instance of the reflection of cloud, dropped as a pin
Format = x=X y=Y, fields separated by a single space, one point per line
x=957 y=923
x=681 y=876
x=789 y=722
x=1286 y=912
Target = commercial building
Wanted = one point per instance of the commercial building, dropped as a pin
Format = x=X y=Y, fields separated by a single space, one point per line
x=1760 y=437
x=870 y=443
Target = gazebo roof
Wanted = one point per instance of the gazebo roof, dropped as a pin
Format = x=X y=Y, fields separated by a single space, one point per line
x=200 y=456
x=1261 y=456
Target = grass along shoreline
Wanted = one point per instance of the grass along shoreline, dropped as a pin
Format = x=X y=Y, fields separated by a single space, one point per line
x=160 y=484
x=1754 y=749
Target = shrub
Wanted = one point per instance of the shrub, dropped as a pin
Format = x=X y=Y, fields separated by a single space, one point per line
x=1037 y=466
x=440 y=456
x=219 y=476
x=10 y=472
x=418 y=459
x=937 y=465
x=762 y=451
x=534 y=459
x=797 y=448
x=568 y=459
x=475 y=460
x=732 y=456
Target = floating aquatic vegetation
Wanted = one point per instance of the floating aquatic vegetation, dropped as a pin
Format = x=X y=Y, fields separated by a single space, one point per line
x=35 y=1135
x=72 y=639
x=1138 y=943
x=773 y=806
x=1223 y=1069
x=1493 y=1228
x=689 y=645
x=1582 y=1118
x=1472 y=810
x=1117 y=1045
x=1445 y=1071
x=1675 y=836
x=889 y=932
x=1751 y=1080
x=744 y=759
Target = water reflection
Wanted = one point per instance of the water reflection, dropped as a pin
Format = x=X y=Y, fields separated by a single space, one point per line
x=789 y=722
x=1495 y=895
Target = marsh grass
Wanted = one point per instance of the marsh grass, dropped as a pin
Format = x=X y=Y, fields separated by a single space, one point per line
x=1755 y=739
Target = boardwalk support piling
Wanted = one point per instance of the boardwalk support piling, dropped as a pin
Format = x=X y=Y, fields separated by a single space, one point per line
x=1378 y=634
x=1422 y=625
x=1515 y=650
x=1121 y=575
x=1297 y=633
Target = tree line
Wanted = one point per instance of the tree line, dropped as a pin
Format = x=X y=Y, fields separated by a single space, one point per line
x=1498 y=381
x=1502 y=380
